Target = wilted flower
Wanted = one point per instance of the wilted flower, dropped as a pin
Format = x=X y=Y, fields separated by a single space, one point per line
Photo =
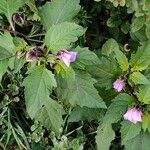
x=19 y=18
x=67 y=56
x=119 y=84
x=34 y=53
x=133 y=115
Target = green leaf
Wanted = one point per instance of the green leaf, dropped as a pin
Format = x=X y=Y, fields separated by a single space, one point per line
x=144 y=94
x=122 y=59
x=85 y=57
x=141 y=59
x=31 y=4
x=104 y=137
x=105 y=72
x=137 y=23
x=112 y=46
x=9 y=7
x=50 y=115
x=139 y=78
x=147 y=30
x=109 y=47
x=7 y=47
x=125 y=27
x=38 y=85
x=117 y=108
x=85 y=113
x=7 y=50
x=59 y=11
x=64 y=71
x=146 y=122
x=129 y=131
x=81 y=91
x=140 y=142
x=3 y=67
x=61 y=36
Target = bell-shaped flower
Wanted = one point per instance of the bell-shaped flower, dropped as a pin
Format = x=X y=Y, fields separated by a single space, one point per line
x=133 y=115
x=67 y=56
x=119 y=84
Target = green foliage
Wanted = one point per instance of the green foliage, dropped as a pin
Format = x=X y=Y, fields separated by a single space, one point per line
x=140 y=142
x=86 y=57
x=59 y=11
x=46 y=104
x=9 y=7
x=61 y=36
x=51 y=115
x=7 y=47
x=104 y=137
x=104 y=72
x=120 y=103
x=41 y=81
x=140 y=60
x=81 y=91
x=137 y=23
x=109 y=47
x=146 y=122
x=129 y=131
x=144 y=94
x=85 y=113
x=138 y=78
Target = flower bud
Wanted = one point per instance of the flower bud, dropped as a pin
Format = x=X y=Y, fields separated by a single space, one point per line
x=133 y=115
x=67 y=56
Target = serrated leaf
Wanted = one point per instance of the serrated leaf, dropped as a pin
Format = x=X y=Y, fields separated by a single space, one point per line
x=9 y=7
x=137 y=23
x=7 y=47
x=129 y=131
x=61 y=36
x=117 y=108
x=31 y=4
x=146 y=122
x=38 y=85
x=3 y=67
x=140 y=142
x=144 y=94
x=7 y=50
x=108 y=47
x=125 y=27
x=122 y=59
x=147 y=30
x=104 y=137
x=138 y=78
x=105 y=72
x=64 y=71
x=59 y=11
x=50 y=115
x=81 y=91
x=85 y=113
x=141 y=59
x=86 y=57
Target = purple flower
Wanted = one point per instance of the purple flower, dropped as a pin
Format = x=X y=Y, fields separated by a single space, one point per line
x=67 y=56
x=133 y=115
x=34 y=53
x=119 y=84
